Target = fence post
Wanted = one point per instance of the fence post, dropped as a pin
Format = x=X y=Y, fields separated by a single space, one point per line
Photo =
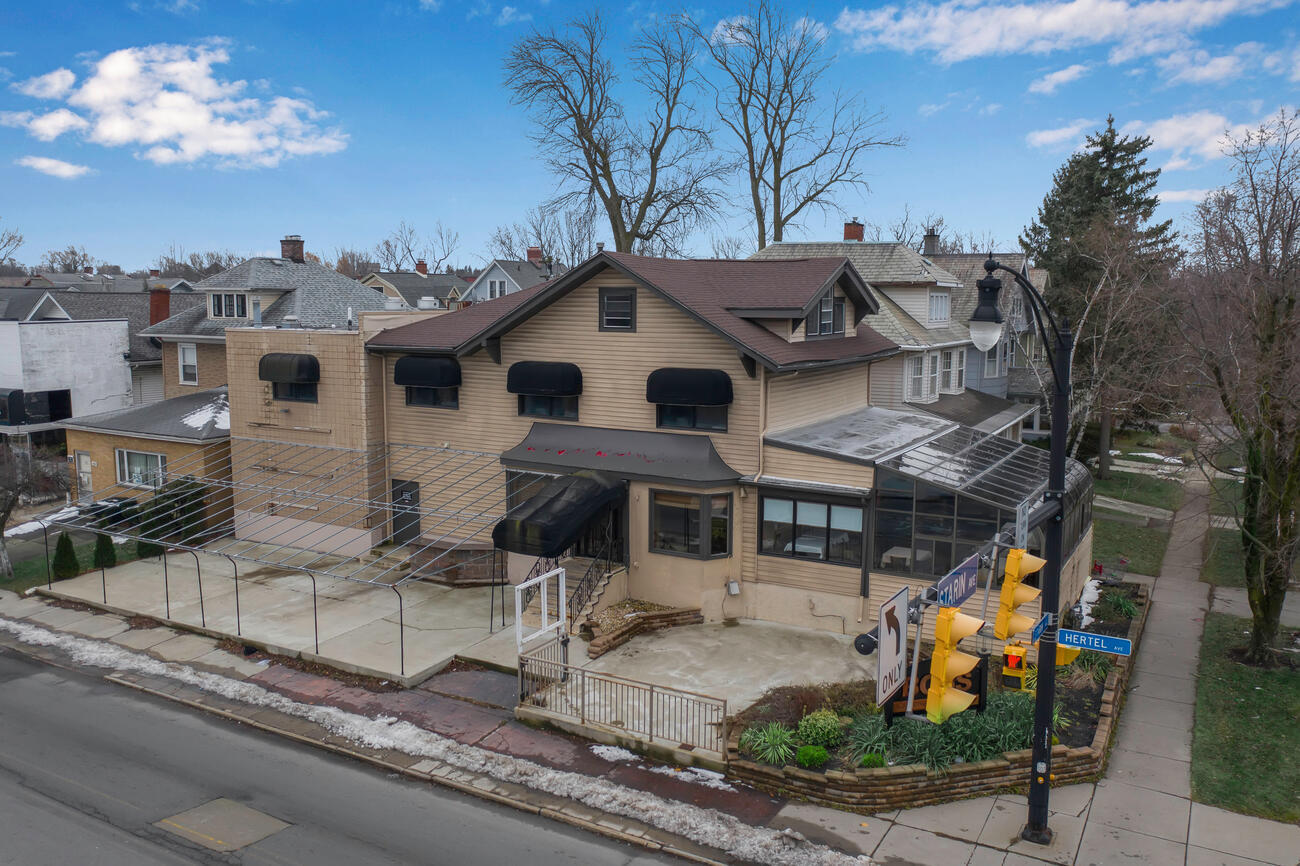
x=650 y=728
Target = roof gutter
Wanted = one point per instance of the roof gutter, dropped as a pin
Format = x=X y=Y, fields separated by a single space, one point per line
x=159 y=437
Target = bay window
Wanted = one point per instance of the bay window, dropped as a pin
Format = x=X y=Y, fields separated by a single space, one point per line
x=690 y=524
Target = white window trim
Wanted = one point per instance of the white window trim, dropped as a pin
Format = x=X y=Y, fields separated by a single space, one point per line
x=932 y=381
x=910 y=377
x=993 y=372
x=947 y=308
x=180 y=363
x=118 y=454
x=960 y=384
x=235 y=296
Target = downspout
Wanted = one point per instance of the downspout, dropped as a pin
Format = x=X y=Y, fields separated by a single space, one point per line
x=762 y=416
x=388 y=471
x=862 y=599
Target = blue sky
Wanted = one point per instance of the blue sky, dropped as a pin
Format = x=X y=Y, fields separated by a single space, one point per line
x=225 y=124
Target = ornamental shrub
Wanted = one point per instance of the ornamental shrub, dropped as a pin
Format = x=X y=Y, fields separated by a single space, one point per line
x=872 y=760
x=105 y=552
x=65 y=558
x=812 y=757
x=821 y=728
x=772 y=743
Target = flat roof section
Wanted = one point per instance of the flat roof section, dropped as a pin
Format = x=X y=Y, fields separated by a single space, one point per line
x=636 y=454
x=862 y=436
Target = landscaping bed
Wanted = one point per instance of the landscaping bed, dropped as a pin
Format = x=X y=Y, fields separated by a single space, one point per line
x=829 y=742
x=1247 y=730
x=619 y=623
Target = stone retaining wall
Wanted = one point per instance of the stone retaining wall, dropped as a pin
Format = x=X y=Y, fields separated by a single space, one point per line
x=903 y=787
x=604 y=641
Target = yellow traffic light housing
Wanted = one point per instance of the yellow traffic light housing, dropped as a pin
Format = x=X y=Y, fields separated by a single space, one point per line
x=947 y=663
x=1066 y=655
x=1020 y=564
x=1013 y=666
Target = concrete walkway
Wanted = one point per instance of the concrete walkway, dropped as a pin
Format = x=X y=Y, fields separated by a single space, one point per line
x=1232 y=601
x=1126 y=507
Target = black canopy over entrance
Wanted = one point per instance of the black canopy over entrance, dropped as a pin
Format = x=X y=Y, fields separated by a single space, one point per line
x=552 y=521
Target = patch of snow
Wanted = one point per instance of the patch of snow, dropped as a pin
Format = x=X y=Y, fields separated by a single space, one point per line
x=118 y=539
x=1114 y=453
x=703 y=826
x=613 y=753
x=694 y=775
x=35 y=525
x=1091 y=592
x=216 y=413
x=1151 y=455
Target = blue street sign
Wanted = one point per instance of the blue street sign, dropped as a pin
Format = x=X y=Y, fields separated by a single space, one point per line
x=1120 y=646
x=1040 y=627
x=960 y=583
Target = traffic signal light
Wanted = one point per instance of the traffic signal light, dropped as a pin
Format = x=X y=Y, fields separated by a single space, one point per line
x=947 y=663
x=1020 y=565
x=1066 y=655
x=1013 y=666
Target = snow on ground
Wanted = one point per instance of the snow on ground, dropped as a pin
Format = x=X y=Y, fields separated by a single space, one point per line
x=703 y=826
x=217 y=411
x=1151 y=455
x=35 y=525
x=694 y=775
x=613 y=753
x=1091 y=592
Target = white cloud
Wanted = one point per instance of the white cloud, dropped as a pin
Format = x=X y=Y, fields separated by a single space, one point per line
x=1062 y=136
x=931 y=108
x=1170 y=196
x=431 y=5
x=53 y=167
x=991 y=109
x=512 y=15
x=51 y=85
x=1198 y=66
x=956 y=30
x=481 y=8
x=1050 y=82
x=166 y=101
x=1199 y=134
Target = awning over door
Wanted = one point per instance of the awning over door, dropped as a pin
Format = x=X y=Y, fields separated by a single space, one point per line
x=552 y=521
x=11 y=406
x=426 y=372
x=678 y=457
x=288 y=368
x=544 y=379
x=682 y=386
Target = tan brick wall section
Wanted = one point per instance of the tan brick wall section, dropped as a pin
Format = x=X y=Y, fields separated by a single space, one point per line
x=212 y=369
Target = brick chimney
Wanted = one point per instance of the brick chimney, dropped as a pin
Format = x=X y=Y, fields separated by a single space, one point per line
x=422 y=267
x=535 y=256
x=160 y=305
x=154 y=272
x=291 y=248
x=88 y=270
x=930 y=243
x=853 y=231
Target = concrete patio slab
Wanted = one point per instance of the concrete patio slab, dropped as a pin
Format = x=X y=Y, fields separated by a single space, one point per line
x=1007 y=820
x=860 y=834
x=1150 y=771
x=963 y=819
x=990 y=857
x=1104 y=845
x=1205 y=857
x=904 y=844
x=1244 y=836
x=1180 y=690
x=1146 y=710
x=1141 y=810
x=1155 y=740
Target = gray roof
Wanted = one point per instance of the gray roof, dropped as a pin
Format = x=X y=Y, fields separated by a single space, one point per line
x=319 y=296
x=133 y=308
x=115 y=284
x=412 y=285
x=16 y=303
x=638 y=454
x=199 y=417
x=525 y=274
x=969 y=267
x=861 y=436
x=985 y=412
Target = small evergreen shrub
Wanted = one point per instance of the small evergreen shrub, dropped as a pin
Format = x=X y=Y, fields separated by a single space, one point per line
x=821 y=728
x=772 y=743
x=147 y=549
x=812 y=757
x=65 y=558
x=871 y=760
x=105 y=552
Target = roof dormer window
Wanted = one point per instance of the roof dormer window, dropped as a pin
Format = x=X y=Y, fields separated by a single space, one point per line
x=939 y=308
x=827 y=319
x=229 y=305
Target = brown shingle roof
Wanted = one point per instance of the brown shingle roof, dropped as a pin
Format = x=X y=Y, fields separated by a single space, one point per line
x=708 y=289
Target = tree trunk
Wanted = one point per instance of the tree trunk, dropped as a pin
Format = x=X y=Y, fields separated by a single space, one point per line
x=6 y=567
x=1103 y=444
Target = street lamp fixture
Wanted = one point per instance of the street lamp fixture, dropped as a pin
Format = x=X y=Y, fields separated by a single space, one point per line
x=985 y=330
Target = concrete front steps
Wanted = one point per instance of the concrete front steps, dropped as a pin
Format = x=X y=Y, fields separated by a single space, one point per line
x=575 y=568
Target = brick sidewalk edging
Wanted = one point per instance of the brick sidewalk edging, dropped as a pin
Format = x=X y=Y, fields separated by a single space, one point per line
x=904 y=787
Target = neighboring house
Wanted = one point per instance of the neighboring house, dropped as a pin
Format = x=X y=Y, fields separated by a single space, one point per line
x=933 y=373
x=89 y=281
x=54 y=366
x=411 y=287
x=506 y=276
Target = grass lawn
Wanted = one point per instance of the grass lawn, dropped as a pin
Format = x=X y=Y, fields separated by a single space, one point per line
x=1162 y=443
x=31 y=572
x=1223 y=559
x=1143 y=489
x=1225 y=496
x=1246 y=736
x=1145 y=548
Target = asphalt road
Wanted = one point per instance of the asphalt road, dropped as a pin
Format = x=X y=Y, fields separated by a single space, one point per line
x=87 y=768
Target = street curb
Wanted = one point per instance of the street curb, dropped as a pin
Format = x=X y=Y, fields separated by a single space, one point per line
x=464 y=788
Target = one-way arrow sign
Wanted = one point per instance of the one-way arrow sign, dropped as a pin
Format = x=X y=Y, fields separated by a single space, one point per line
x=891 y=649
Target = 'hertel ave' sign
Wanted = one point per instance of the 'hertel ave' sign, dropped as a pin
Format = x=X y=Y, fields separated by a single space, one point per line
x=1120 y=646
x=960 y=583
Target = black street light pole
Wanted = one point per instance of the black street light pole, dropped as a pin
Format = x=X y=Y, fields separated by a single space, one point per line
x=986 y=323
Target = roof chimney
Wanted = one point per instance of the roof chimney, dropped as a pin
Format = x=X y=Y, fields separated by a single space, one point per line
x=535 y=256
x=600 y=246
x=154 y=272
x=291 y=248
x=853 y=230
x=930 y=243
x=160 y=305
x=422 y=267
x=88 y=270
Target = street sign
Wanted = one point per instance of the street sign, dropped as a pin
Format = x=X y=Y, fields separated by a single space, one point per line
x=959 y=584
x=975 y=682
x=1120 y=646
x=891 y=646
x=1040 y=627
x=1022 y=525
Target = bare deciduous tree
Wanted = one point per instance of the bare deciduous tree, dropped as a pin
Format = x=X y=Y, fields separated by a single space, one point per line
x=567 y=237
x=655 y=177
x=797 y=148
x=730 y=247
x=23 y=477
x=404 y=247
x=10 y=241
x=1242 y=324
x=354 y=263
x=72 y=259
x=174 y=262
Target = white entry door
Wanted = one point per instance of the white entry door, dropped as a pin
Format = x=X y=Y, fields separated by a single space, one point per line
x=85 y=483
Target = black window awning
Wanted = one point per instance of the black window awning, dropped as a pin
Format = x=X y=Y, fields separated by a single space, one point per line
x=286 y=367
x=426 y=372
x=682 y=386
x=12 y=409
x=681 y=458
x=544 y=379
x=552 y=521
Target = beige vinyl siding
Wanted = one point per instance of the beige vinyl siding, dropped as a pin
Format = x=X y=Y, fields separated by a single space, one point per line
x=887 y=382
x=799 y=466
x=914 y=301
x=795 y=399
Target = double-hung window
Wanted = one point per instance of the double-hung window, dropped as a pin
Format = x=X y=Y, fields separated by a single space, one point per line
x=297 y=392
x=438 y=398
x=806 y=529
x=959 y=373
x=496 y=288
x=933 y=389
x=916 y=377
x=187 y=357
x=938 y=308
x=991 y=362
x=691 y=417
x=548 y=406
x=140 y=468
x=617 y=309
x=827 y=319
x=229 y=306
x=946 y=371
x=690 y=524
